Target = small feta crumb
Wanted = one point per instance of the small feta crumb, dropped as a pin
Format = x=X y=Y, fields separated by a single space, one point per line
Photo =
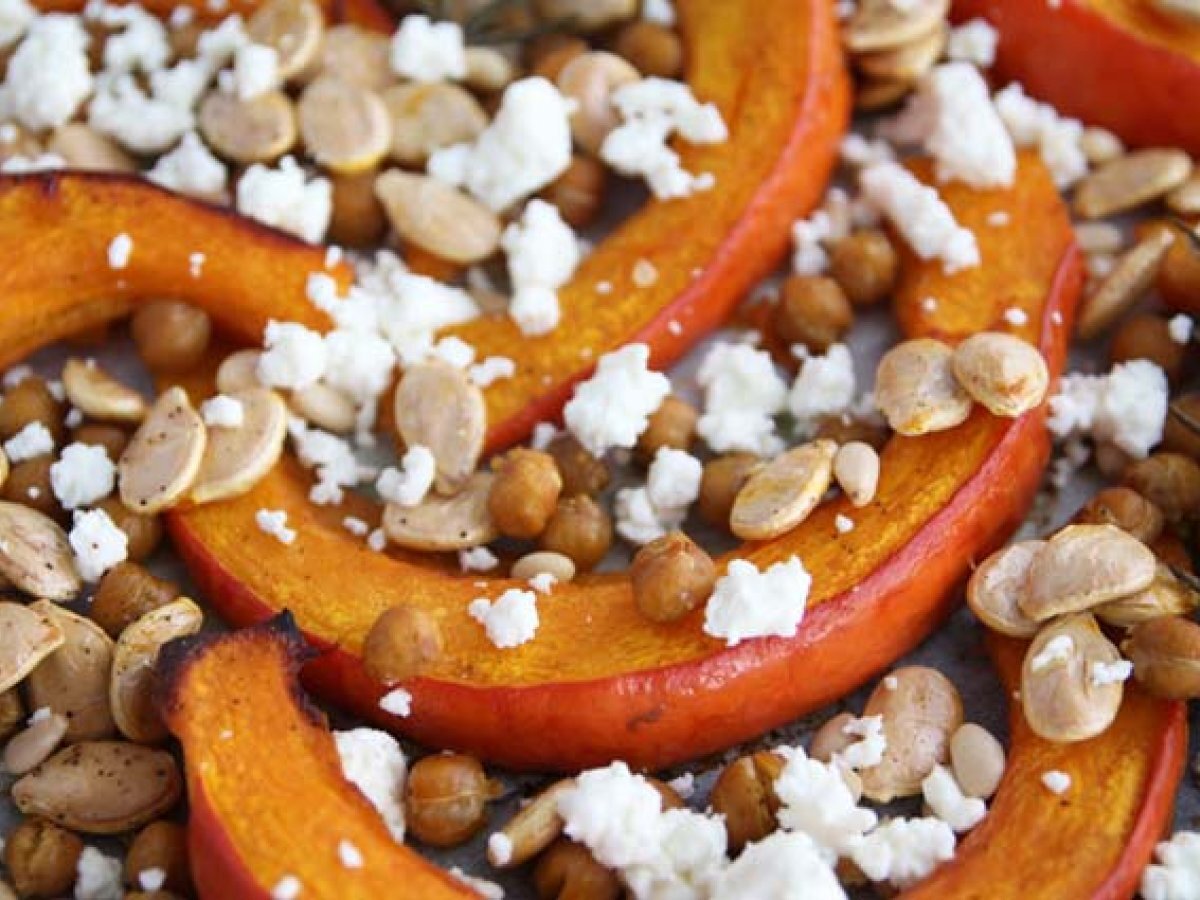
x=604 y=288
x=659 y=11
x=612 y=408
x=843 y=523
x=1127 y=407
x=543 y=582
x=97 y=542
x=374 y=763
x=1058 y=649
x=999 y=219
x=119 y=251
x=488 y=890
x=287 y=888
x=152 y=879
x=673 y=481
x=223 y=411
x=500 y=848
x=98 y=876
x=1180 y=328
x=747 y=603
x=31 y=441
x=350 y=856
x=781 y=865
x=742 y=395
x=639 y=520
x=947 y=801
x=1056 y=782
x=1176 y=875
x=645 y=273
x=824 y=386
x=196 y=264
x=47 y=79
x=274 y=523
x=510 y=621
x=424 y=50
x=356 y=526
x=377 y=540
x=15 y=18
x=408 y=485
x=477 y=559
x=487 y=372
x=542 y=256
x=974 y=42
x=868 y=750
x=684 y=785
x=1016 y=317
x=902 y=852
x=816 y=802
x=193 y=170
x=82 y=475
x=255 y=71
x=140 y=123
x=294 y=356
x=1111 y=673
x=286 y=199
x=397 y=702
x=454 y=352
x=1057 y=139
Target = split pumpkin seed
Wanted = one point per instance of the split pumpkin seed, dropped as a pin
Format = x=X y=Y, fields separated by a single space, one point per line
x=73 y=680
x=907 y=61
x=82 y=147
x=544 y=562
x=26 y=638
x=29 y=748
x=856 y=469
x=163 y=458
x=1185 y=199
x=344 y=127
x=438 y=217
x=783 y=493
x=996 y=588
x=238 y=371
x=357 y=55
x=1126 y=183
x=916 y=390
x=1166 y=596
x=488 y=70
x=459 y=522
x=35 y=556
x=98 y=395
x=880 y=25
x=293 y=28
x=236 y=459
x=1128 y=282
x=1004 y=373
x=248 y=131
x=438 y=406
x=531 y=830
x=427 y=117
x=1166 y=657
x=325 y=407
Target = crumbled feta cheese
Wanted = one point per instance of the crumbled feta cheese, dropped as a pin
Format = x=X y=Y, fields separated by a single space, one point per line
x=48 y=78
x=98 y=876
x=652 y=110
x=868 y=750
x=747 y=603
x=82 y=475
x=283 y=198
x=817 y=802
x=1100 y=145
x=824 y=386
x=543 y=582
x=1127 y=407
x=423 y=50
x=904 y=851
x=742 y=395
x=43 y=162
x=1111 y=673
x=1056 y=782
x=408 y=485
x=645 y=273
x=659 y=11
x=782 y=866
x=349 y=855
x=218 y=45
x=190 y=169
x=857 y=151
x=639 y=520
x=294 y=356
x=223 y=411
x=489 y=371
x=454 y=352
x=274 y=523
x=488 y=890
x=500 y=848
x=1016 y=317
x=397 y=702
x=674 y=478
x=947 y=801
x=477 y=559
x=287 y=888
x=998 y=219
x=374 y=763
x=377 y=540
x=182 y=85
x=331 y=457
x=97 y=542
x=510 y=621
x=831 y=223
x=1180 y=328
x=684 y=785
x=1176 y=875
x=196 y=264
x=612 y=408
x=410 y=308
x=255 y=71
x=975 y=42
x=358 y=363
x=526 y=146
x=356 y=526
x=152 y=879
x=15 y=18
x=137 y=39
x=843 y=523
x=923 y=220
x=1034 y=124
x=542 y=256
x=31 y=441
x=139 y=123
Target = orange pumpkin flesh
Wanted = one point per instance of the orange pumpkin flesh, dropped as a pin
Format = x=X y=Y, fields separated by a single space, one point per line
x=599 y=681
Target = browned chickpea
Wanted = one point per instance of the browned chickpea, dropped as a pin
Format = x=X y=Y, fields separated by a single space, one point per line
x=582 y=473
x=831 y=738
x=160 y=845
x=357 y=219
x=1179 y=277
x=28 y=483
x=144 y=532
x=1172 y=551
x=671 y=576
x=1147 y=336
x=446 y=799
x=579 y=529
x=404 y=640
x=744 y=793
x=171 y=336
x=41 y=858
x=31 y=401
x=110 y=437
x=1171 y=481
x=723 y=478
x=12 y=712
x=1125 y=508
x=524 y=493
x=653 y=49
x=578 y=193
x=125 y=594
x=847 y=430
x=547 y=55
x=1178 y=436
x=866 y=265
x=813 y=312
x=672 y=425
x=568 y=871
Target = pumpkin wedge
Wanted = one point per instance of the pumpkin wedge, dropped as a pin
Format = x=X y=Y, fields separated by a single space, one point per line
x=1094 y=840
x=366 y=13
x=260 y=812
x=599 y=681
x=1120 y=64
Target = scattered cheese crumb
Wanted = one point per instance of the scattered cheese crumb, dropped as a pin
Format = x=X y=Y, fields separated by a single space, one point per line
x=374 y=763
x=645 y=274
x=377 y=540
x=287 y=888
x=293 y=357
x=397 y=702
x=255 y=71
x=31 y=441
x=1127 y=407
x=947 y=801
x=350 y=856
x=781 y=865
x=742 y=395
x=500 y=848
x=274 y=523
x=542 y=256
x=824 y=386
x=747 y=603
x=424 y=50
x=1057 y=139
x=974 y=42
x=904 y=851
x=98 y=876
x=97 y=542
x=223 y=411
x=816 y=801
x=1180 y=328
x=1058 y=649
x=152 y=879
x=1176 y=875
x=119 y=251
x=286 y=199
x=82 y=475
x=477 y=559
x=1056 y=782
x=1016 y=317
x=612 y=408
x=674 y=478
x=47 y=79
x=844 y=524
x=509 y=621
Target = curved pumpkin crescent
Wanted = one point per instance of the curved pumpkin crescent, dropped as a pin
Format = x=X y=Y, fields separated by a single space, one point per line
x=1093 y=841
x=600 y=682
x=257 y=816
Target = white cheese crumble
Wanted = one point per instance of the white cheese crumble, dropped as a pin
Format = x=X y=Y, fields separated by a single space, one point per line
x=488 y=890
x=274 y=523
x=974 y=42
x=331 y=457
x=742 y=395
x=923 y=220
x=543 y=582
x=287 y=888
x=293 y=357
x=868 y=750
x=500 y=848
x=139 y=123
x=424 y=50
x=947 y=801
x=82 y=475
x=223 y=411
x=782 y=866
x=824 y=386
x=543 y=254
x=30 y=442
x=255 y=72
x=374 y=763
x=674 y=478
x=1056 y=782
x=639 y=520
x=397 y=702
x=902 y=852
x=97 y=542
x=1058 y=649
x=358 y=363
x=190 y=169
x=652 y=111
x=817 y=802
x=1016 y=317
x=285 y=199
x=612 y=408
x=48 y=77
x=137 y=40
x=747 y=603
x=843 y=523
x=15 y=18
x=526 y=146
x=152 y=879
x=477 y=559
x=509 y=621
x=349 y=855
x=1180 y=327
x=488 y=371
x=43 y=162
x=1037 y=125
x=408 y=485
x=98 y=876
x=1127 y=407
x=120 y=249
x=1176 y=875
x=1111 y=673
x=660 y=11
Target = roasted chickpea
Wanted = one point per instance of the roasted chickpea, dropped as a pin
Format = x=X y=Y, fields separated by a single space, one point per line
x=1178 y=436
x=653 y=49
x=404 y=640
x=1127 y=509
x=671 y=576
x=812 y=311
x=524 y=493
x=28 y=483
x=41 y=858
x=110 y=437
x=865 y=264
x=357 y=218
x=672 y=425
x=1147 y=336
x=446 y=799
x=31 y=401
x=160 y=845
x=144 y=532
x=568 y=871
x=578 y=193
x=547 y=54
x=723 y=479
x=1171 y=481
x=1179 y=277
x=125 y=594
x=171 y=336
x=579 y=529
x=744 y=793
x=582 y=473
